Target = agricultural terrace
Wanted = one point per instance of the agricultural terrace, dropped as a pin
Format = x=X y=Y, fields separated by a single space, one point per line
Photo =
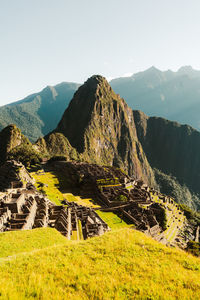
x=48 y=183
x=175 y=218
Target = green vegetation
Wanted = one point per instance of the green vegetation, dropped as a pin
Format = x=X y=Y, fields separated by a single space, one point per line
x=194 y=248
x=58 y=158
x=108 y=181
x=169 y=186
x=124 y=264
x=47 y=183
x=163 y=222
x=113 y=221
x=54 y=185
x=57 y=146
x=191 y=215
x=14 y=145
x=25 y=154
x=171 y=220
x=121 y=198
x=24 y=241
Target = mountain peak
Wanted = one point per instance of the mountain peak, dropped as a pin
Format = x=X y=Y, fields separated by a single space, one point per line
x=185 y=69
x=96 y=82
x=100 y=126
x=153 y=69
x=96 y=78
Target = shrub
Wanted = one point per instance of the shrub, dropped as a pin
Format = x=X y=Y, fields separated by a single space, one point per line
x=194 y=248
x=121 y=198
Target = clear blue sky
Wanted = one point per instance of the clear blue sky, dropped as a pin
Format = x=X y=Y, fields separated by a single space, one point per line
x=44 y=42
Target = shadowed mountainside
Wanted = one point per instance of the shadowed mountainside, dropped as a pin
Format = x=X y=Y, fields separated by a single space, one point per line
x=170 y=147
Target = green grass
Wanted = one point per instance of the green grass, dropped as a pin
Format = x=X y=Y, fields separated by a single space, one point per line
x=80 y=232
x=15 y=242
x=124 y=264
x=51 y=190
x=54 y=191
x=171 y=231
x=113 y=221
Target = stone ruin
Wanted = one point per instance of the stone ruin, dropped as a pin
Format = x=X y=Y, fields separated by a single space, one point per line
x=115 y=191
x=22 y=207
x=13 y=175
x=29 y=209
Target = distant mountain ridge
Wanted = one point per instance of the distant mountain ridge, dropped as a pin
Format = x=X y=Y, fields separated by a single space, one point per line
x=39 y=113
x=167 y=94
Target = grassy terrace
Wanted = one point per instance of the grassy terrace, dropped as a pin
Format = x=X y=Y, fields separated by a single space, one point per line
x=51 y=186
x=175 y=220
x=113 y=221
x=123 y=264
x=55 y=194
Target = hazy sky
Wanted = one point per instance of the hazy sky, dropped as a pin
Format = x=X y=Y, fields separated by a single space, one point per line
x=44 y=42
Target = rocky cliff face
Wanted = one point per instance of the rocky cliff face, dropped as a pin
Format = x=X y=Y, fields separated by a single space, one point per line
x=100 y=126
x=171 y=147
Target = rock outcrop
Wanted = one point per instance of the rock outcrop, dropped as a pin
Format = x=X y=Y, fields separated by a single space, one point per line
x=14 y=145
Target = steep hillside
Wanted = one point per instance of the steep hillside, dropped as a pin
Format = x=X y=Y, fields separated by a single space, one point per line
x=172 y=95
x=56 y=144
x=99 y=125
x=25 y=241
x=14 y=145
x=38 y=114
x=171 y=148
x=124 y=264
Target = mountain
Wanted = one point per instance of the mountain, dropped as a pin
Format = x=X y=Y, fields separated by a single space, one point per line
x=38 y=114
x=168 y=94
x=173 y=149
x=99 y=125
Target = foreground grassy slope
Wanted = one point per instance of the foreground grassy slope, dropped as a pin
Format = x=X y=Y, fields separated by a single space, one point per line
x=124 y=264
x=12 y=243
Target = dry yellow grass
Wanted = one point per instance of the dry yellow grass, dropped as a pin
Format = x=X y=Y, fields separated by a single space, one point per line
x=124 y=264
